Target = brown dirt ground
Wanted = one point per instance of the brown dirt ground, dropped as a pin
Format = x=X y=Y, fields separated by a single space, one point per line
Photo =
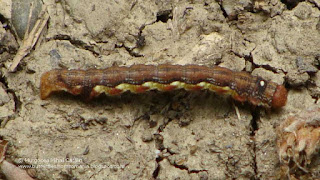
x=185 y=135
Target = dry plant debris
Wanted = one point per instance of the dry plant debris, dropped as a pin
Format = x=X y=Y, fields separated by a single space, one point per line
x=298 y=143
x=10 y=171
x=31 y=38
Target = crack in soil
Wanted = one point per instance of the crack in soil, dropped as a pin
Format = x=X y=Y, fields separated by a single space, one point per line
x=17 y=102
x=290 y=4
x=159 y=146
x=183 y=167
x=266 y=67
x=224 y=13
x=76 y=42
x=164 y=16
x=254 y=128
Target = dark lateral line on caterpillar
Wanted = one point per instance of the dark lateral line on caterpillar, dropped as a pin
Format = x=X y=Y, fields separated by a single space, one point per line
x=140 y=78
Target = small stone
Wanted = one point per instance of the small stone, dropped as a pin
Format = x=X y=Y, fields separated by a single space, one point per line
x=303 y=11
x=193 y=149
x=20 y=15
x=147 y=137
x=297 y=79
x=304 y=66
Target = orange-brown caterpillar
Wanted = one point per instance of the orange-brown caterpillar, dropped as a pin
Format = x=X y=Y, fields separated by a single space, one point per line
x=140 y=78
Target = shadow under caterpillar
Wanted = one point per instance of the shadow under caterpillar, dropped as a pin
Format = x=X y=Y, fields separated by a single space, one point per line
x=115 y=80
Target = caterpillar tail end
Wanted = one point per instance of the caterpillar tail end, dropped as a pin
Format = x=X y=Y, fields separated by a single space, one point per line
x=45 y=85
x=279 y=97
x=49 y=84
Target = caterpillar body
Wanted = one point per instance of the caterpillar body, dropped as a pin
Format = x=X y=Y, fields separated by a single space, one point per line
x=115 y=80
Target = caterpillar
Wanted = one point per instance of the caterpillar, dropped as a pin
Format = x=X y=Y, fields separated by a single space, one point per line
x=115 y=80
